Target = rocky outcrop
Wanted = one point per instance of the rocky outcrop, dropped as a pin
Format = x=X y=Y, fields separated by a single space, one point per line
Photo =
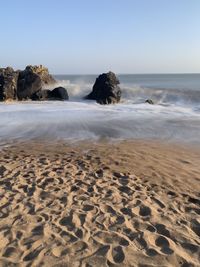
x=32 y=80
x=8 y=84
x=29 y=84
x=106 y=89
x=59 y=93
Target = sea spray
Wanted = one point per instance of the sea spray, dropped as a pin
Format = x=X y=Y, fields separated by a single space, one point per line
x=175 y=116
x=86 y=121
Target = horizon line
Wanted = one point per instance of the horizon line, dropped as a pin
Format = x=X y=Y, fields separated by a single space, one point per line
x=147 y=73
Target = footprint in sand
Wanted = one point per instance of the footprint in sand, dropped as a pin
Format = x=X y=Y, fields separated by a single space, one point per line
x=171 y=194
x=2 y=170
x=129 y=233
x=192 y=210
x=151 y=252
x=195 y=226
x=161 y=229
x=118 y=254
x=140 y=243
x=164 y=244
x=127 y=211
x=103 y=250
x=67 y=222
x=68 y=237
x=144 y=211
x=125 y=189
x=38 y=230
x=11 y=252
x=191 y=247
x=33 y=254
x=79 y=233
x=158 y=202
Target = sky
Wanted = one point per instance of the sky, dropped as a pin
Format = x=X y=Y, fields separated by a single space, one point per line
x=94 y=36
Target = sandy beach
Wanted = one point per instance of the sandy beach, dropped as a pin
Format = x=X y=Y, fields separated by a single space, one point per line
x=130 y=203
x=100 y=133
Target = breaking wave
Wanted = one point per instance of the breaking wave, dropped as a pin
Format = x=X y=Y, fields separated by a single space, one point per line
x=135 y=93
x=174 y=117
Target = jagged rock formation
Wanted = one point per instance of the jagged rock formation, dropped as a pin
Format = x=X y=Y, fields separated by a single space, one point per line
x=8 y=83
x=29 y=84
x=32 y=80
x=106 y=89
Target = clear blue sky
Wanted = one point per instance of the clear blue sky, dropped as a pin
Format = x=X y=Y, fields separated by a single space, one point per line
x=93 y=36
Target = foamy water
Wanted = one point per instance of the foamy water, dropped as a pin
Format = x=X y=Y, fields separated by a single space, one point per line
x=174 y=117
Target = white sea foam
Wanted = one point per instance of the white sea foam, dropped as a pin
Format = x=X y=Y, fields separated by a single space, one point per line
x=137 y=93
x=174 y=117
x=88 y=120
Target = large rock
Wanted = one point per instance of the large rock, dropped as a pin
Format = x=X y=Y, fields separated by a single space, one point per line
x=106 y=89
x=31 y=81
x=59 y=93
x=8 y=84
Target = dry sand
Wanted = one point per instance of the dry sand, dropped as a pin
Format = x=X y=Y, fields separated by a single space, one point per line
x=127 y=204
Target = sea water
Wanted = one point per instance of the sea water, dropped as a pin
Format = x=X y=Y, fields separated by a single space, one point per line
x=175 y=116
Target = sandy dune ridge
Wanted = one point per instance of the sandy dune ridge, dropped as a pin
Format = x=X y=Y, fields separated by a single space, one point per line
x=120 y=204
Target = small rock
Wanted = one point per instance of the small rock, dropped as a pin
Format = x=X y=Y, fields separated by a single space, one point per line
x=149 y=101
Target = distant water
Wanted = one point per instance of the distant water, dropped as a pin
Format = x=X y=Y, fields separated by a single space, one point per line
x=169 y=81
x=174 y=117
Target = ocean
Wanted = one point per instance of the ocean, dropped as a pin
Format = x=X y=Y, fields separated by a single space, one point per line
x=175 y=116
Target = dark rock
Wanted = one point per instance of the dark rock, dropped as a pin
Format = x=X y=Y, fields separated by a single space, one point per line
x=149 y=101
x=41 y=95
x=106 y=89
x=31 y=81
x=8 y=84
x=28 y=85
x=58 y=93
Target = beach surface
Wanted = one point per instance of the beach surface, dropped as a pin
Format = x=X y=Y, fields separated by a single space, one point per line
x=129 y=203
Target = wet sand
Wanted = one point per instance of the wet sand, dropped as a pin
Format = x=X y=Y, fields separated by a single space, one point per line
x=134 y=203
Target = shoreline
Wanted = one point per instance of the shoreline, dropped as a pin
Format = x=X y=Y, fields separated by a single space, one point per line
x=128 y=203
